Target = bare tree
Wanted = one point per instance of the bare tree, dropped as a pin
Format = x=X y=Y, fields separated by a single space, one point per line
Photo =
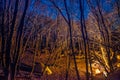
x=103 y=31
x=68 y=21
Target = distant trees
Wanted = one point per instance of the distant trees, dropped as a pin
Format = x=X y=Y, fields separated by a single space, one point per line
x=68 y=20
x=103 y=25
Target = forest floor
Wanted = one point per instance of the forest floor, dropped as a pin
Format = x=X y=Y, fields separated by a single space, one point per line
x=59 y=70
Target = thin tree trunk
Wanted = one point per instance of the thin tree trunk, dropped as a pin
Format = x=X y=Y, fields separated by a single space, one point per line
x=71 y=40
x=3 y=35
x=19 y=34
x=118 y=7
x=84 y=35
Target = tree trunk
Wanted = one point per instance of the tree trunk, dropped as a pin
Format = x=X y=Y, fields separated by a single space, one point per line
x=18 y=39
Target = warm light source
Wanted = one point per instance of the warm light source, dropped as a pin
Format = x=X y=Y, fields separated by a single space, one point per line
x=118 y=57
x=97 y=71
x=49 y=72
x=118 y=64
